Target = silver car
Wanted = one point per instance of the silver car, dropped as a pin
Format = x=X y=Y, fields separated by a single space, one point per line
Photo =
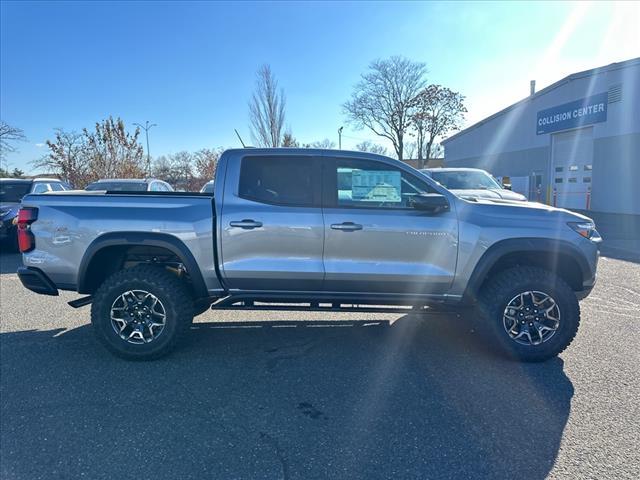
x=129 y=185
x=472 y=183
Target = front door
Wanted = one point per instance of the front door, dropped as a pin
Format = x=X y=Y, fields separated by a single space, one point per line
x=374 y=241
x=272 y=228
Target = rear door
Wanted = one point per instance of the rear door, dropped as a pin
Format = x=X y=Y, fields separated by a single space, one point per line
x=272 y=226
x=374 y=241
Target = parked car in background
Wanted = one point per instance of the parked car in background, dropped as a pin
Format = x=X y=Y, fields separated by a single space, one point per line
x=472 y=183
x=208 y=187
x=130 y=185
x=11 y=192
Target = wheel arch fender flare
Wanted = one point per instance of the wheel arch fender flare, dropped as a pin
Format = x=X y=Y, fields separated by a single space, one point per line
x=554 y=249
x=151 y=239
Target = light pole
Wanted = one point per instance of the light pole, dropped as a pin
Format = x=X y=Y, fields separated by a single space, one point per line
x=146 y=127
x=340 y=138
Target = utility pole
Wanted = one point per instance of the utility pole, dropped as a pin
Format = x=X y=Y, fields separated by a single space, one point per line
x=146 y=127
x=340 y=138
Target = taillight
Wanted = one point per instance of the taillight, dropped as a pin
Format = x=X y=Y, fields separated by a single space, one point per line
x=26 y=240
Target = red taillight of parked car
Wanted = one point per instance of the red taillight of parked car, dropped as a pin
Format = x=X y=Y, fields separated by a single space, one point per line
x=26 y=240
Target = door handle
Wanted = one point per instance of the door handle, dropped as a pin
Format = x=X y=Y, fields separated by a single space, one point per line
x=346 y=226
x=245 y=224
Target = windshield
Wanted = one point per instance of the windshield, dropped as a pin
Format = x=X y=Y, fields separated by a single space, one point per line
x=118 y=186
x=12 y=192
x=465 y=180
x=208 y=188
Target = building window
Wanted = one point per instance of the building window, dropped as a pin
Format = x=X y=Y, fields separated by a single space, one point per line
x=588 y=168
x=586 y=179
x=573 y=168
x=558 y=180
x=573 y=180
x=559 y=169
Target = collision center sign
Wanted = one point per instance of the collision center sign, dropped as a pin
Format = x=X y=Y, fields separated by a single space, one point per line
x=585 y=111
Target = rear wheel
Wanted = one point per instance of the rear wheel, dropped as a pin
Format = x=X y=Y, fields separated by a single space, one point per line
x=141 y=312
x=531 y=314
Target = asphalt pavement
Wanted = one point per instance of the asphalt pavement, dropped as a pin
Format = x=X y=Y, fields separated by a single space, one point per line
x=273 y=395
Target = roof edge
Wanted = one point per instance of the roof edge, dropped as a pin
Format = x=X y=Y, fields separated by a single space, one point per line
x=574 y=76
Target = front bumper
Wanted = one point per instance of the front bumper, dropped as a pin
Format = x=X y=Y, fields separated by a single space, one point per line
x=37 y=281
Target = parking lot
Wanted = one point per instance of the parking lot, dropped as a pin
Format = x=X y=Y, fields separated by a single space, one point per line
x=306 y=396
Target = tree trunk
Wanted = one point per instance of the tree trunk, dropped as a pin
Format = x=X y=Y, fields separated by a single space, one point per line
x=428 y=152
x=420 y=146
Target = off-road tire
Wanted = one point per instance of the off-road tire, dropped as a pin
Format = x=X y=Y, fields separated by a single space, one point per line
x=169 y=289
x=498 y=292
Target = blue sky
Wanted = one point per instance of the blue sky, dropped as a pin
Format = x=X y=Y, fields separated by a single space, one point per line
x=190 y=67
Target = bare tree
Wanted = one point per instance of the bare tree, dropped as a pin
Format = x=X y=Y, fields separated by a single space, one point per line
x=288 y=140
x=162 y=168
x=8 y=136
x=67 y=157
x=206 y=161
x=437 y=111
x=109 y=151
x=382 y=100
x=182 y=163
x=267 y=109
x=114 y=152
x=325 y=144
x=410 y=149
x=369 y=146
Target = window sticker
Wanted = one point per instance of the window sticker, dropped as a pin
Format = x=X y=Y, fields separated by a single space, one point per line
x=376 y=185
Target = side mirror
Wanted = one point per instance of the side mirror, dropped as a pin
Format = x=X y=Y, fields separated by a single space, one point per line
x=429 y=202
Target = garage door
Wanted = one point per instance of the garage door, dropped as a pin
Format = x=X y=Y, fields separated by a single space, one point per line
x=572 y=157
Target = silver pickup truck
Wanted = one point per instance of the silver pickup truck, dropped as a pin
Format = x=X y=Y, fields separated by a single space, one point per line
x=304 y=229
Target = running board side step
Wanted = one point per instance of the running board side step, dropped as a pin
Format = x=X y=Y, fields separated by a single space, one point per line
x=234 y=304
x=80 y=302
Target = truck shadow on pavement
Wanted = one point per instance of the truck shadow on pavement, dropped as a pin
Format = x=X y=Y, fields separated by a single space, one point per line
x=416 y=398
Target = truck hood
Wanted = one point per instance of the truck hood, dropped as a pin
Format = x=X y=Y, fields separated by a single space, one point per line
x=517 y=211
x=492 y=193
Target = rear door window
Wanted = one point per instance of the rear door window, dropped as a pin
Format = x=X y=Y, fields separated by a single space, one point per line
x=292 y=181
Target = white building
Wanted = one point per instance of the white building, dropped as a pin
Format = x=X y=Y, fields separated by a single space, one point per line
x=575 y=144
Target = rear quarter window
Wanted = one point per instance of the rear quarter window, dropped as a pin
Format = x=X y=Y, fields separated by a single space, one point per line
x=277 y=180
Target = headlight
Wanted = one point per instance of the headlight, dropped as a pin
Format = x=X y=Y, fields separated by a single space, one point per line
x=586 y=230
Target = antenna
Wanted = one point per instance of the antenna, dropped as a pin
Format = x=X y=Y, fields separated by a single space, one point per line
x=240 y=138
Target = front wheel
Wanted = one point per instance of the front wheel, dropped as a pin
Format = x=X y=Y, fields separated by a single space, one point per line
x=140 y=313
x=530 y=313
